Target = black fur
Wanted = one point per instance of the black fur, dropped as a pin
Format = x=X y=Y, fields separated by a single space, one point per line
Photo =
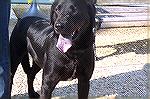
x=38 y=37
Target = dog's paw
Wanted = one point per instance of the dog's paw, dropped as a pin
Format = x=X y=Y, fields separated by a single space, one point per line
x=34 y=95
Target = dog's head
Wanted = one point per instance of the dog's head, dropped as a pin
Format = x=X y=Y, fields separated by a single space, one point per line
x=68 y=17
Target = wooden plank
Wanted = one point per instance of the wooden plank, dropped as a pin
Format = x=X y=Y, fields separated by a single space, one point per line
x=122 y=14
x=126 y=19
x=126 y=4
x=124 y=24
x=116 y=9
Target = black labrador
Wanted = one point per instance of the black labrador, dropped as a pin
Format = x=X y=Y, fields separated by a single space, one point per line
x=63 y=47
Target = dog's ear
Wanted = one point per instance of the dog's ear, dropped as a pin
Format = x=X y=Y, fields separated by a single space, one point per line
x=92 y=13
x=52 y=12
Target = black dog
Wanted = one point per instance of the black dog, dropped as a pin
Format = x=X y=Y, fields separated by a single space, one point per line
x=62 y=47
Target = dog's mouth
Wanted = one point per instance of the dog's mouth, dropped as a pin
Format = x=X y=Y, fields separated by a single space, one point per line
x=65 y=41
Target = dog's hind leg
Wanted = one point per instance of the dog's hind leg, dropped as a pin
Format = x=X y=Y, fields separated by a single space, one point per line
x=16 y=54
x=25 y=63
x=31 y=72
x=31 y=76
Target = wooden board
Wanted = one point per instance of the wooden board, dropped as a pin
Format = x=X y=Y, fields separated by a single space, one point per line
x=119 y=9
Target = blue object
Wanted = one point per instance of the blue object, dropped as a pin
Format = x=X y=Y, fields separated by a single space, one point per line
x=4 y=50
x=1 y=82
x=34 y=10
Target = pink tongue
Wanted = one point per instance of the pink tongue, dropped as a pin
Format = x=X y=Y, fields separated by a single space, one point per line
x=63 y=44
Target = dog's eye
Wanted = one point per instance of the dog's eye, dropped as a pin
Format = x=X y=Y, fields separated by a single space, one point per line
x=73 y=9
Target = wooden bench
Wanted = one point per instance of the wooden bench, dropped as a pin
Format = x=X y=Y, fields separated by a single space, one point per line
x=114 y=16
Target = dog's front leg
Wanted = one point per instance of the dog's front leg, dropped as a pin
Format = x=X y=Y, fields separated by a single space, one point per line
x=49 y=81
x=83 y=88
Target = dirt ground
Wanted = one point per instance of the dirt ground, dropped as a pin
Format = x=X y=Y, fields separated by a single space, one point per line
x=121 y=69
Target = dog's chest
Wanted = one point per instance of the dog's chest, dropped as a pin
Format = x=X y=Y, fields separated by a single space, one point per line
x=74 y=73
x=66 y=62
x=76 y=57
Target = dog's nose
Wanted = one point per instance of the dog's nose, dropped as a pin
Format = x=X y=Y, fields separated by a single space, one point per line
x=59 y=26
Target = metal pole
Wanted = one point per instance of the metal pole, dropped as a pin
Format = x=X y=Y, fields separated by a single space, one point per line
x=34 y=10
x=4 y=50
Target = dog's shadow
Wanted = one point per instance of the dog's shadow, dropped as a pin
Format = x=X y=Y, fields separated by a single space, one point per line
x=139 y=47
x=128 y=84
